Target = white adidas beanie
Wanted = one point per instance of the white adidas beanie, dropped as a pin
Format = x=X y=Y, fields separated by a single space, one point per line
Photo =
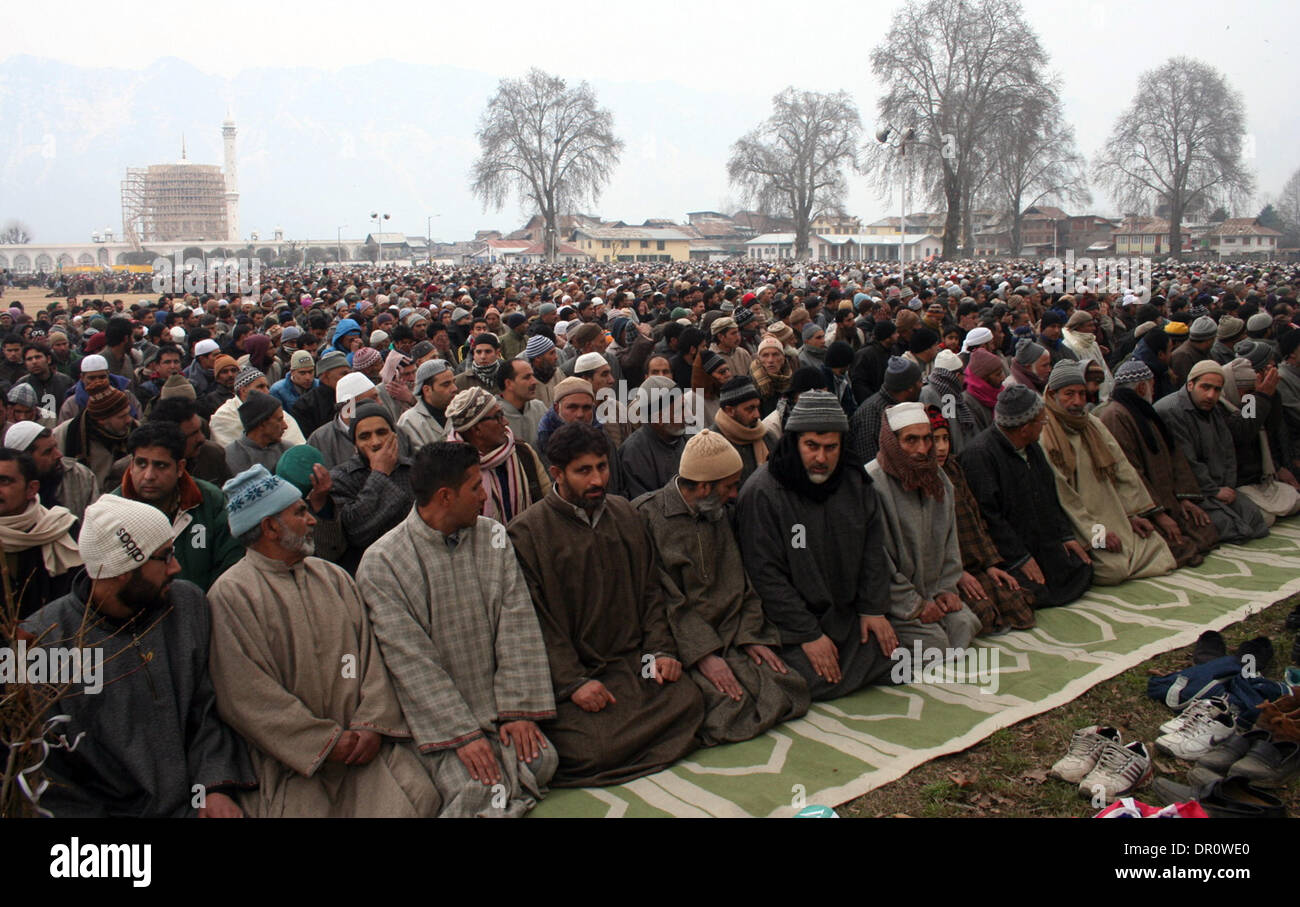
x=118 y=535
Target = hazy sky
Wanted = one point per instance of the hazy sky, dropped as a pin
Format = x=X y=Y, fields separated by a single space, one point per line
x=747 y=50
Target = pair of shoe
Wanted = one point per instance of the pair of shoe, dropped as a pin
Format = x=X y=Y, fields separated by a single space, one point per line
x=1268 y=754
x=1103 y=766
x=1211 y=645
x=1225 y=798
x=1197 y=729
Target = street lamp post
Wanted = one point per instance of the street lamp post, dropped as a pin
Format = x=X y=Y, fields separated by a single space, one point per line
x=428 y=235
x=339 y=247
x=379 y=234
x=890 y=135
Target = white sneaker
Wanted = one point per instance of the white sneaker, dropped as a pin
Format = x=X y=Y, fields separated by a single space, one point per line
x=1197 y=736
x=1196 y=708
x=1119 y=770
x=1085 y=749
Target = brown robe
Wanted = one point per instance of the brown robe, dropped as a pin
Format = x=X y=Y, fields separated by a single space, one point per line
x=602 y=618
x=713 y=610
x=1168 y=477
x=295 y=664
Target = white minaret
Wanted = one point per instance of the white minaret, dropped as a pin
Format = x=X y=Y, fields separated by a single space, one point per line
x=232 y=180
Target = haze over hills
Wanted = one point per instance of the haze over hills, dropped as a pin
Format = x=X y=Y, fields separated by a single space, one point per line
x=319 y=149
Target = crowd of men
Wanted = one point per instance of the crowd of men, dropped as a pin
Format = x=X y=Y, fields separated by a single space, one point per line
x=430 y=541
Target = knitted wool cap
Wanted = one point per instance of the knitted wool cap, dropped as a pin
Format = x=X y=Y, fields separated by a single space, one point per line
x=709 y=457
x=254 y=494
x=711 y=362
x=1242 y=372
x=722 y=325
x=107 y=403
x=368 y=410
x=223 y=362
x=1135 y=371
x=538 y=345
x=770 y=343
x=818 y=411
x=366 y=357
x=900 y=374
x=782 y=331
x=257 y=407
x=1206 y=367
x=588 y=362
x=1257 y=351
x=810 y=330
x=573 y=385
x=1016 y=406
x=376 y=338
x=736 y=391
x=1257 y=323
x=948 y=361
x=742 y=316
x=301 y=359
x=983 y=363
x=1229 y=327
x=331 y=360
x=21 y=435
x=428 y=371
x=177 y=386
x=295 y=466
x=247 y=375
x=1028 y=352
x=118 y=535
x=23 y=395
x=1065 y=373
x=1202 y=328
x=470 y=406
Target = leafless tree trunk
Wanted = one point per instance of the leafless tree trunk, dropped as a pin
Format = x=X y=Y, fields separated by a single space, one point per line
x=546 y=143
x=793 y=164
x=1179 y=143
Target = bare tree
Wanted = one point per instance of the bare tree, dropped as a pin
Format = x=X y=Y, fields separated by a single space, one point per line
x=546 y=143
x=955 y=70
x=793 y=164
x=1288 y=206
x=1179 y=143
x=15 y=232
x=1034 y=160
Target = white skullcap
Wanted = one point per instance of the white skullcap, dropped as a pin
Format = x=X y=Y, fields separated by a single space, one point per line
x=119 y=534
x=948 y=361
x=588 y=362
x=178 y=335
x=976 y=337
x=205 y=346
x=350 y=386
x=21 y=435
x=95 y=363
x=901 y=415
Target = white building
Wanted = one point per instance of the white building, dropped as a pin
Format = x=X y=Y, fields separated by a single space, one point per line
x=845 y=247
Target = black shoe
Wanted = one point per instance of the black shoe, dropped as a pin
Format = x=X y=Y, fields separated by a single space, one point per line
x=1262 y=648
x=1270 y=763
x=1233 y=798
x=1293 y=619
x=1209 y=646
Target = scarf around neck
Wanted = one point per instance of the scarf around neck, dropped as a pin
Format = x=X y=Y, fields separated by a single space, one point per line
x=770 y=385
x=516 y=484
x=787 y=468
x=1059 y=450
x=739 y=435
x=46 y=527
x=912 y=476
x=981 y=390
x=949 y=385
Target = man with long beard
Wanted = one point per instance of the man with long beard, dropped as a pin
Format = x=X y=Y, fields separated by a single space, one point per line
x=153 y=743
x=286 y=629
x=920 y=532
x=812 y=543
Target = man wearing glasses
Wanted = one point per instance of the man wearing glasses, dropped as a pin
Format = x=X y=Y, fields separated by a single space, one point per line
x=151 y=743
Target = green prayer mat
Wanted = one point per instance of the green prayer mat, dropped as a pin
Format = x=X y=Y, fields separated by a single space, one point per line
x=844 y=748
